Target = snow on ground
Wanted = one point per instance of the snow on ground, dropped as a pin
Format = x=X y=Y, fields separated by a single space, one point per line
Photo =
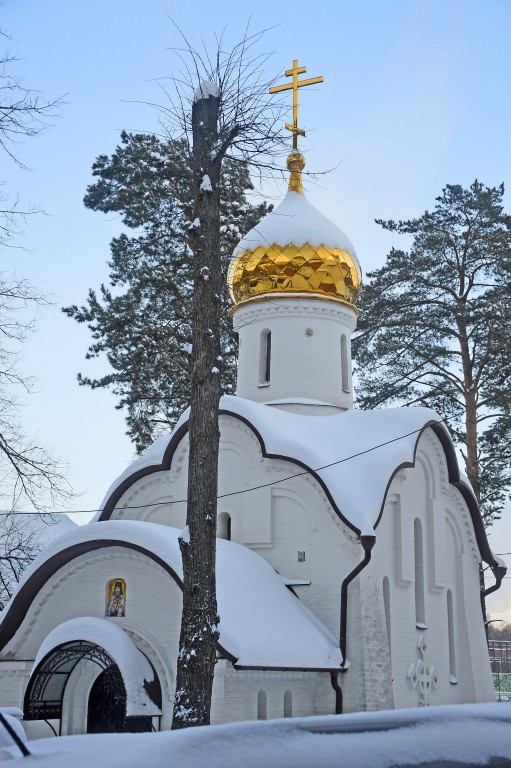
x=13 y=722
x=468 y=734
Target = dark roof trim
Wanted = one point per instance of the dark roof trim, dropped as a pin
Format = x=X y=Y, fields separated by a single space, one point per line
x=454 y=480
x=169 y=455
x=29 y=590
x=166 y=462
x=438 y=429
x=242 y=667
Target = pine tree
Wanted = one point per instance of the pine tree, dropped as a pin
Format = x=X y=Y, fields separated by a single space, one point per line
x=435 y=330
x=142 y=320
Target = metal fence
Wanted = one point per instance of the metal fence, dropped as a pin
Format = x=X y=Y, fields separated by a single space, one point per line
x=500 y=660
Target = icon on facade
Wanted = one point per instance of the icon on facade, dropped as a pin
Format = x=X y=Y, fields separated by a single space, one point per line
x=116 y=598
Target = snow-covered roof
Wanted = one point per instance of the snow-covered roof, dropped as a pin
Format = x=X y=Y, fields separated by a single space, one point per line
x=152 y=456
x=354 y=454
x=262 y=623
x=500 y=561
x=45 y=527
x=47 y=532
x=295 y=221
x=298 y=401
x=133 y=665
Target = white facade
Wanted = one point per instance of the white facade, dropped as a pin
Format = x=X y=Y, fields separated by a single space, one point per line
x=305 y=332
x=363 y=515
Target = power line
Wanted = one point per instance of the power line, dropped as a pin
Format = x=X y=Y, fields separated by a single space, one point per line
x=236 y=493
x=231 y=493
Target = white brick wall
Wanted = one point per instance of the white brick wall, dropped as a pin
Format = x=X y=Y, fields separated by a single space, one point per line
x=304 y=333
x=278 y=522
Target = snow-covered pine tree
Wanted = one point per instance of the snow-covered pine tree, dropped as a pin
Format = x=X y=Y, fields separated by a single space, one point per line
x=435 y=330
x=142 y=320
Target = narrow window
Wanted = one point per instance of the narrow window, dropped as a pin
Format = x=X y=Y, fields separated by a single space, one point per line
x=261 y=705
x=288 y=704
x=223 y=526
x=265 y=357
x=450 y=628
x=420 y=612
x=386 y=605
x=344 y=364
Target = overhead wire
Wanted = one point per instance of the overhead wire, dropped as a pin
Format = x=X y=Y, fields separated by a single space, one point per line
x=234 y=493
x=230 y=493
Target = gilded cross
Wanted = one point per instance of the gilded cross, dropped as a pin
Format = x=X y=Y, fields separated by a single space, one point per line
x=294 y=85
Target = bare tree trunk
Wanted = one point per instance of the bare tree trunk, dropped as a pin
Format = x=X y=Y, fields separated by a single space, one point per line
x=472 y=455
x=471 y=430
x=470 y=396
x=199 y=633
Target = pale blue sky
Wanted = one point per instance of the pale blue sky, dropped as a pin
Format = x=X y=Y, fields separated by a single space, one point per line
x=416 y=95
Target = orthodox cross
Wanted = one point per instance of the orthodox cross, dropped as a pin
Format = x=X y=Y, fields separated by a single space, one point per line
x=297 y=70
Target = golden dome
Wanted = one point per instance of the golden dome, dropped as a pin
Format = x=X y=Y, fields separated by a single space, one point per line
x=295 y=250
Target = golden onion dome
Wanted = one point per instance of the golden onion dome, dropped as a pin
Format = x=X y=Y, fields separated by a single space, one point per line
x=295 y=250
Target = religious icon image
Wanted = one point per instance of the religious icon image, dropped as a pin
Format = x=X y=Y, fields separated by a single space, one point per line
x=116 y=598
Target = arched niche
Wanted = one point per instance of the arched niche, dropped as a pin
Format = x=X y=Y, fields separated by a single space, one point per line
x=223 y=526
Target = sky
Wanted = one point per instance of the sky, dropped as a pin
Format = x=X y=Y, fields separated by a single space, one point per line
x=415 y=97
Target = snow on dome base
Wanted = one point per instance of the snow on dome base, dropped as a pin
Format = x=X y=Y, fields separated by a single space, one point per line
x=295 y=249
x=296 y=221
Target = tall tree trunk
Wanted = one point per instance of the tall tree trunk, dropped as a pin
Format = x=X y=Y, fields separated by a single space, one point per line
x=199 y=633
x=470 y=397
x=472 y=456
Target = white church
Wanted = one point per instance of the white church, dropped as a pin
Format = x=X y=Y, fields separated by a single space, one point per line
x=349 y=542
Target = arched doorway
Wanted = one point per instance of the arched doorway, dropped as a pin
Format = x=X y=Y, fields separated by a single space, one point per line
x=106 y=708
x=78 y=688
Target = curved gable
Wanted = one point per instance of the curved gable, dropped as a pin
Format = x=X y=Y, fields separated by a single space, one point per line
x=263 y=625
x=355 y=449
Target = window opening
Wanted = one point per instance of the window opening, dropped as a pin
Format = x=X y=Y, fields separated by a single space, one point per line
x=420 y=610
x=261 y=705
x=450 y=628
x=288 y=704
x=265 y=358
x=223 y=528
x=344 y=364
x=386 y=604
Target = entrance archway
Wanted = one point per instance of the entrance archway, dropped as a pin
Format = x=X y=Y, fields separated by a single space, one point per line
x=46 y=688
x=81 y=689
x=106 y=707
